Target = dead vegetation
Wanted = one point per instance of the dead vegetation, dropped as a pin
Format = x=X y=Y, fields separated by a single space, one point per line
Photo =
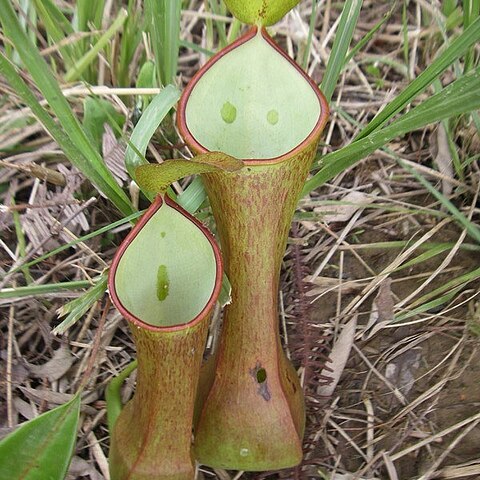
x=370 y=276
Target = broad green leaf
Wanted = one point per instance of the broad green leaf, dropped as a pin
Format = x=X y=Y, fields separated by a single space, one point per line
x=113 y=394
x=78 y=307
x=193 y=196
x=343 y=38
x=97 y=112
x=156 y=178
x=146 y=126
x=456 y=49
x=147 y=78
x=41 y=449
x=461 y=96
x=260 y=12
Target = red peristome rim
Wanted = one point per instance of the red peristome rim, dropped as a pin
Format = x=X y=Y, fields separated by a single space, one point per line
x=181 y=117
x=157 y=203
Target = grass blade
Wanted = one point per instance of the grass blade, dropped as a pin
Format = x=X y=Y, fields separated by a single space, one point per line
x=68 y=245
x=82 y=64
x=193 y=196
x=437 y=302
x=368 y=36
x=78 y=307
x=461 y=96
x=343 y=37
x=71 y=137
x=469 y=226
x=57 y=27
x=88 y=12
x=455 y=50
x=39 y=290
x=113 y=395
x=311 y=28
x=99 y=176
x=471 y=11
x=164 y=29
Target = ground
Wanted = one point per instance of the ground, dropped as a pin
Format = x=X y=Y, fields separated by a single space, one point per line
x=373 y=261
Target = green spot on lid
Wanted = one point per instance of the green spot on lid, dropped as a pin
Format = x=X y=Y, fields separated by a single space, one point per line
x=272 y=117
x=163 y=283
x=162 y=234
x=228 y=112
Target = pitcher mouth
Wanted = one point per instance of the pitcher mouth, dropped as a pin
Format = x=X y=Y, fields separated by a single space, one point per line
x=312 y=99
x=117 y=291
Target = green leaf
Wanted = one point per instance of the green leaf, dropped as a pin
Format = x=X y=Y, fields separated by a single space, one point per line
x=39 y=290
x=88 y=12
x=193 y=196
x=146 y=79
x=156 y=178
x=459 y=282
x=97 y=112
x=461 y=96
x=411 y=312
x=368 y=36
x=217 y=8
x=78 y=307
x=164 y=16
x=456 y=49
x=146 y=126
x=343 y=38
x=196 y=48
x=42 y=448
x=430 y=253
x=57 y=26
x=311 y=28
x=225 y=297
x=132 y=34
x=113 y=394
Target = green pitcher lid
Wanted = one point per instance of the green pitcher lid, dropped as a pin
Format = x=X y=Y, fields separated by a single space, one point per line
x=260 y=12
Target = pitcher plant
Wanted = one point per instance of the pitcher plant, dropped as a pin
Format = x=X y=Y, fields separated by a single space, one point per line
x=165 y=279
x=250 y=102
